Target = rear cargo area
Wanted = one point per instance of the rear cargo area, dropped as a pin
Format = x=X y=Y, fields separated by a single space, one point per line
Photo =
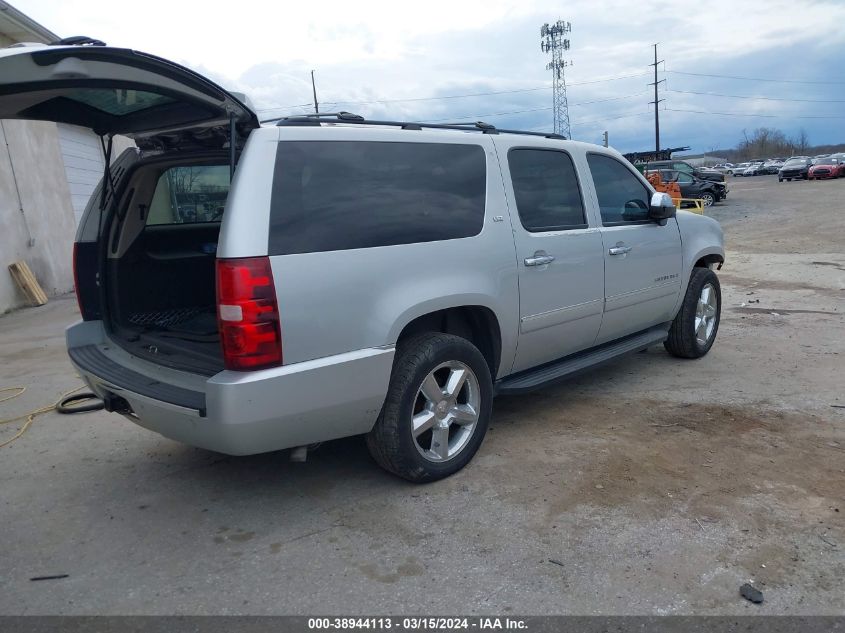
x=160 y=268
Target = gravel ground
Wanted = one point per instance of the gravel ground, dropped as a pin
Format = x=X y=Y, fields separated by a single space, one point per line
x=652 y=486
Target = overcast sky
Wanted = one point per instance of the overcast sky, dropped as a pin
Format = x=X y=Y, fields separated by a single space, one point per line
x=396 y=60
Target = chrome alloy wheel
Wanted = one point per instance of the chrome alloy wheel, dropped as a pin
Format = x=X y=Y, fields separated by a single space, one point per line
x=446 y=411
x=705 y=314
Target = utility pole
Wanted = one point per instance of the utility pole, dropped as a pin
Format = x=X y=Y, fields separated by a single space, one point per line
x=552 y=41
x=605 y=138
x=314 y=88
x=656 y=102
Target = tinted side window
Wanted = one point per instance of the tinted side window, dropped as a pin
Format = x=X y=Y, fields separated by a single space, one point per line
x=546 y=190
x=339 y=195
x=622 y=197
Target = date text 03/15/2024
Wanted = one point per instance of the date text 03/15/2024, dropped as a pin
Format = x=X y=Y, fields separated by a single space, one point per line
x=417 y=623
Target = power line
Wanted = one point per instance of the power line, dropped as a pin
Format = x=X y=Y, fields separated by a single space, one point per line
x=716 y=94
x=579 y=83
x=492 y=114
x=598 y=81
x=583 y=103
x=458 y=96
x=476 y=94
x=603 y=80
x=781 y=81
x=746 y=114
x=477 y=117
x=377 y=101
x=286 y=107
x=572 y=105
x=602 y=120
x=613 y=118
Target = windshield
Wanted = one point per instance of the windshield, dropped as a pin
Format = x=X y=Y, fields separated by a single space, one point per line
x=795 y=163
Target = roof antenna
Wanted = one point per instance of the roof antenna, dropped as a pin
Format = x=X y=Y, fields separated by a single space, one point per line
x=314 y=88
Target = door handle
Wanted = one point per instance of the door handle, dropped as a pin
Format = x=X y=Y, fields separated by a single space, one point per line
x=539 y=260
x=619 y=250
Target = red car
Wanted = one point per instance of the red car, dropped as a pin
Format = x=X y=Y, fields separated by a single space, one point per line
x=826 y=168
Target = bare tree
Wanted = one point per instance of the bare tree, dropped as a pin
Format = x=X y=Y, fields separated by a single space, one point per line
x=801 y=142
x=763 y=142
x=184 y=179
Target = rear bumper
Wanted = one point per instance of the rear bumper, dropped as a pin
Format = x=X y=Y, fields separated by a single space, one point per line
x=238 y=413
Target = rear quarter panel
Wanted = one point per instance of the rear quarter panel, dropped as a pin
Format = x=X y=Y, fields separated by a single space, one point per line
x=338 y=301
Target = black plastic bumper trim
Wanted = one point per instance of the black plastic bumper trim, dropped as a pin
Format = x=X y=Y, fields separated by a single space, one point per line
x=89 y=358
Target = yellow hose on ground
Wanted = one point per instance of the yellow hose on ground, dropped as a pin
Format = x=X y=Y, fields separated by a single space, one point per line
x=29 y=417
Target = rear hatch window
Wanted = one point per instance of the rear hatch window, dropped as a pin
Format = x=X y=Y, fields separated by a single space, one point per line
x=119 y=91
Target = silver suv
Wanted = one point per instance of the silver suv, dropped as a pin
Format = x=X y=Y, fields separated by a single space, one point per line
x=352 y=277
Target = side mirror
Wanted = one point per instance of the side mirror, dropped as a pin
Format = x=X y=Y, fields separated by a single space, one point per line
x=662 y=208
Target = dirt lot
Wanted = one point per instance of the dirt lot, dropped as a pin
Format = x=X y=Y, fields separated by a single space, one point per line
x=653 y=486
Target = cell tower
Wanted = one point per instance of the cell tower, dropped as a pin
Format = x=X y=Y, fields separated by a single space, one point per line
x=552 y=41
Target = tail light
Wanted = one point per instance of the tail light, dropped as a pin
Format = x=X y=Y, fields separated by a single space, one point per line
x=247 y=314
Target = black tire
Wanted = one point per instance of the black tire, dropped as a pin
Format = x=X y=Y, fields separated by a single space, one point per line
x=391 y=442
x=789 y=180
x=682 y=341
x=780 y=179
x=708 y=198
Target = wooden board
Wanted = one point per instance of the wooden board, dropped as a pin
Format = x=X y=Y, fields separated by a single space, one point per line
x=28 y=283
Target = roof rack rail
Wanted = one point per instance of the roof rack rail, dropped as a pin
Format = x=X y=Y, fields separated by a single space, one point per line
x=348 y=117
x=313 y=118
x=78 y=40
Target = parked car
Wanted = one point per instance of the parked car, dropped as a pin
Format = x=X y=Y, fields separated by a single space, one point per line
x=754 y=169
x=795 y=168
x=707 y=191
x=362 y=279
x=739 y=170
x=683 y=166
x=825 y=168
x=772 y=166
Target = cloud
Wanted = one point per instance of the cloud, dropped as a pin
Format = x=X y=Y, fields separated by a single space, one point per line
x=368 y=59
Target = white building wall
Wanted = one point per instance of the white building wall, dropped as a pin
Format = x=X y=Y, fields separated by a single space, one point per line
x=55 y=168
x=36 y=216
x=83 y=162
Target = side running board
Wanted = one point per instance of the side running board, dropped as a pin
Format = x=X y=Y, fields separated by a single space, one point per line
x=582 y=361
